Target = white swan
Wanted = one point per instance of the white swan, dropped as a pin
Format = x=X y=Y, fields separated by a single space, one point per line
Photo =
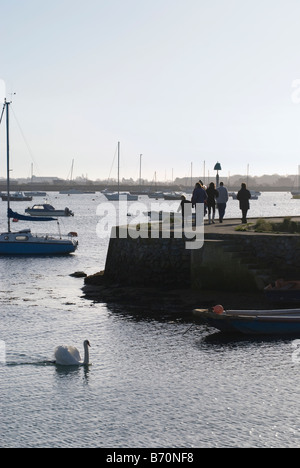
x=70 y=356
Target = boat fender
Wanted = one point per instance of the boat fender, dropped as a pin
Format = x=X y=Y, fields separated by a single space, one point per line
x=218 y=309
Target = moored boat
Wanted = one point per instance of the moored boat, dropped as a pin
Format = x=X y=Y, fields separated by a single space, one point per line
x=116 y=196
x=24 y=242
x=74 y=191
x=17 y=196
x=254 y=195
x=172 y=195
x=35 y=194
x=47 y=210
x=156 y=195
x=251 y=322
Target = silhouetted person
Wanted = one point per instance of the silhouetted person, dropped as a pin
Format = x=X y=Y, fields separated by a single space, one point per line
x=222 y=201
x=244 y=196
x=212 y=194
x=186 y=209
x=199 y=197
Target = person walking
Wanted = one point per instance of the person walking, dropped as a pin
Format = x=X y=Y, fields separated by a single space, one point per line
x=199 y=197
x=212 y=194
x=244 y=196
x=222 y=201
x=186 y=209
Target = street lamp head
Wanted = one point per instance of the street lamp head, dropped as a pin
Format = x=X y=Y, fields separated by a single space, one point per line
x=217 y=167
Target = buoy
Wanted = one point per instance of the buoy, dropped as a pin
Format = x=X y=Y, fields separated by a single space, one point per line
x=218 y=309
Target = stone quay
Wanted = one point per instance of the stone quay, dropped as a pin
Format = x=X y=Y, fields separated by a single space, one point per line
x=231 y=266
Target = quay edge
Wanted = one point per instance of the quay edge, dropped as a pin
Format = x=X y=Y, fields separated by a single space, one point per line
x=230 y=263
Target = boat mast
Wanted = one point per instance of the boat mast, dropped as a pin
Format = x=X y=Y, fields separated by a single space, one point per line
x=118 y=170
x=72 y=167
x=141 y=171
x=8 y=167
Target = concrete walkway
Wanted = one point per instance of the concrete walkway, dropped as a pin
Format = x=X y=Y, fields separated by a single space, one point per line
x=229 y=225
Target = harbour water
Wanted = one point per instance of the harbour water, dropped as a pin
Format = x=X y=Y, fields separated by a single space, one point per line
x=150 y=383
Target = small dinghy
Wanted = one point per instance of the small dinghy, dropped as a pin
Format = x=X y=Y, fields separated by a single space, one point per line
x=251 y=322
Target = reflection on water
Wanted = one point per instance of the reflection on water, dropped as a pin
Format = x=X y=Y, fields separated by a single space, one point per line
x=154 y=382
x=63 y=372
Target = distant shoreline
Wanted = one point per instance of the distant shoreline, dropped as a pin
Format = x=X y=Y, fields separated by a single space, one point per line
x=98 y=187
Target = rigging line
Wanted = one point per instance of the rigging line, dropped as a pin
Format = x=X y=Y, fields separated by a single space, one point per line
x=3 y=109
x=24 y=138
x=29 y=149
x=112 y=164
x=70 y=171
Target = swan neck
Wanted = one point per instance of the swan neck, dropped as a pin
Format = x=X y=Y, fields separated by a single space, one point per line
x=86 y=355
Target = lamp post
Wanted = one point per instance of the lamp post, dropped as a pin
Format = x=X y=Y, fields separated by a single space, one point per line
x=217 y=168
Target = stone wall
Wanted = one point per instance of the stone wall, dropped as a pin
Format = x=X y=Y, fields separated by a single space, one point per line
x=148 y=262
x=242 y=261
x=275 y=250
x=216 y=268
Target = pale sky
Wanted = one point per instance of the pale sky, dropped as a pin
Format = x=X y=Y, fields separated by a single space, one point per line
x=179 y=81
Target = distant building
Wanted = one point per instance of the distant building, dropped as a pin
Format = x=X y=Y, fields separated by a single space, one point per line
x=39 y=180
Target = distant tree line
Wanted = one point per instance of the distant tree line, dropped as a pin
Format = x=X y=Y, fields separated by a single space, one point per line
x=274 y=182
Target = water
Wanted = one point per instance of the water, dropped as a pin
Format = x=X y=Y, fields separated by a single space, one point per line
x=150 y=384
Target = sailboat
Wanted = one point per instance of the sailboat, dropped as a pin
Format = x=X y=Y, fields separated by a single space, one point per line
x=24 y=242
x=74 y=191
x=115 y=196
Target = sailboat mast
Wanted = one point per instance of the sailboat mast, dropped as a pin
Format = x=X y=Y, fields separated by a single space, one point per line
x=8 y=167
x=72 y=167
x=141 y=170
x=119 y=169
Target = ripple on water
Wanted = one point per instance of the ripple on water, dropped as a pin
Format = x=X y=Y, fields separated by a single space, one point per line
x=150 y=384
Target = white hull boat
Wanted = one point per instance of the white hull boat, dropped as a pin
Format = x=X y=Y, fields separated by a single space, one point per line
x=48 y=210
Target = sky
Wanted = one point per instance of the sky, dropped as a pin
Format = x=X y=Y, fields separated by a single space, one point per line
x=185 y=83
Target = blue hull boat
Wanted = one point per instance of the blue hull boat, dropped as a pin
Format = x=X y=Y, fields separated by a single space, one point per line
x=25 y=243
x=266 y=322
x=289 y=325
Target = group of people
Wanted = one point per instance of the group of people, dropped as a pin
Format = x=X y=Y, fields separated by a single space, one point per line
x=212 y=197
x=209 y=196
